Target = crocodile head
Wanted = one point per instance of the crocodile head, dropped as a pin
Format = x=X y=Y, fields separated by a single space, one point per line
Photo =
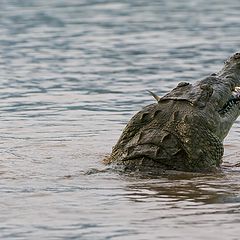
x=216 y=98
x=227 y=94
x=185 y=129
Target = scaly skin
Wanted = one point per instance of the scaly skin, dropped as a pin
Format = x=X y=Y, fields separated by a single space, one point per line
x=185 y=129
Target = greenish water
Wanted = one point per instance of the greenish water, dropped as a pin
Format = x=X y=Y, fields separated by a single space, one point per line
x=72 y=74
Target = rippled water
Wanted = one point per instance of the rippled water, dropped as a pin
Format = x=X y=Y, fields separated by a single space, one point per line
x=72 y=74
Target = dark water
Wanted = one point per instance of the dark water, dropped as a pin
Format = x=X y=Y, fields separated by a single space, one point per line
x=72 y=74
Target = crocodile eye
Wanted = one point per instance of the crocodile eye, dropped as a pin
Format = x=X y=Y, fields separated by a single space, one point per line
x=183 y=84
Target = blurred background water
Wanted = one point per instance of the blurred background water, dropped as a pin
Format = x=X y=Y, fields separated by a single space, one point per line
x=73 y=72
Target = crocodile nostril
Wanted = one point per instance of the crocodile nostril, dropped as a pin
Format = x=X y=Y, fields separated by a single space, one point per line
x=237 y=55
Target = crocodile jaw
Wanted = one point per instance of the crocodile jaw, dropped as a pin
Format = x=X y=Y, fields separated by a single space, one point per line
x=226 y=96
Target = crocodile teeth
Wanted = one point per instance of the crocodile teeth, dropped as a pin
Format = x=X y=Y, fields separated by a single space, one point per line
x=236 y=92
x=234 y=99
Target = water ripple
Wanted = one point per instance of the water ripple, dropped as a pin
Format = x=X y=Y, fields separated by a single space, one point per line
x=72 y=74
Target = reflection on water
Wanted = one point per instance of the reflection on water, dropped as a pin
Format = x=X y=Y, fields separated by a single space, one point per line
x=72 y=74
x=193 y=188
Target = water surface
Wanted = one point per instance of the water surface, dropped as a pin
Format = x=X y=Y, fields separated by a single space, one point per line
x=72 y=74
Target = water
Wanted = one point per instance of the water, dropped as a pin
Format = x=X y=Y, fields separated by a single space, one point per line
x=72 y=74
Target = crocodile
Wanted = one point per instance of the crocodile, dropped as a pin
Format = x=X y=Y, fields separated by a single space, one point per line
x=184 y=130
